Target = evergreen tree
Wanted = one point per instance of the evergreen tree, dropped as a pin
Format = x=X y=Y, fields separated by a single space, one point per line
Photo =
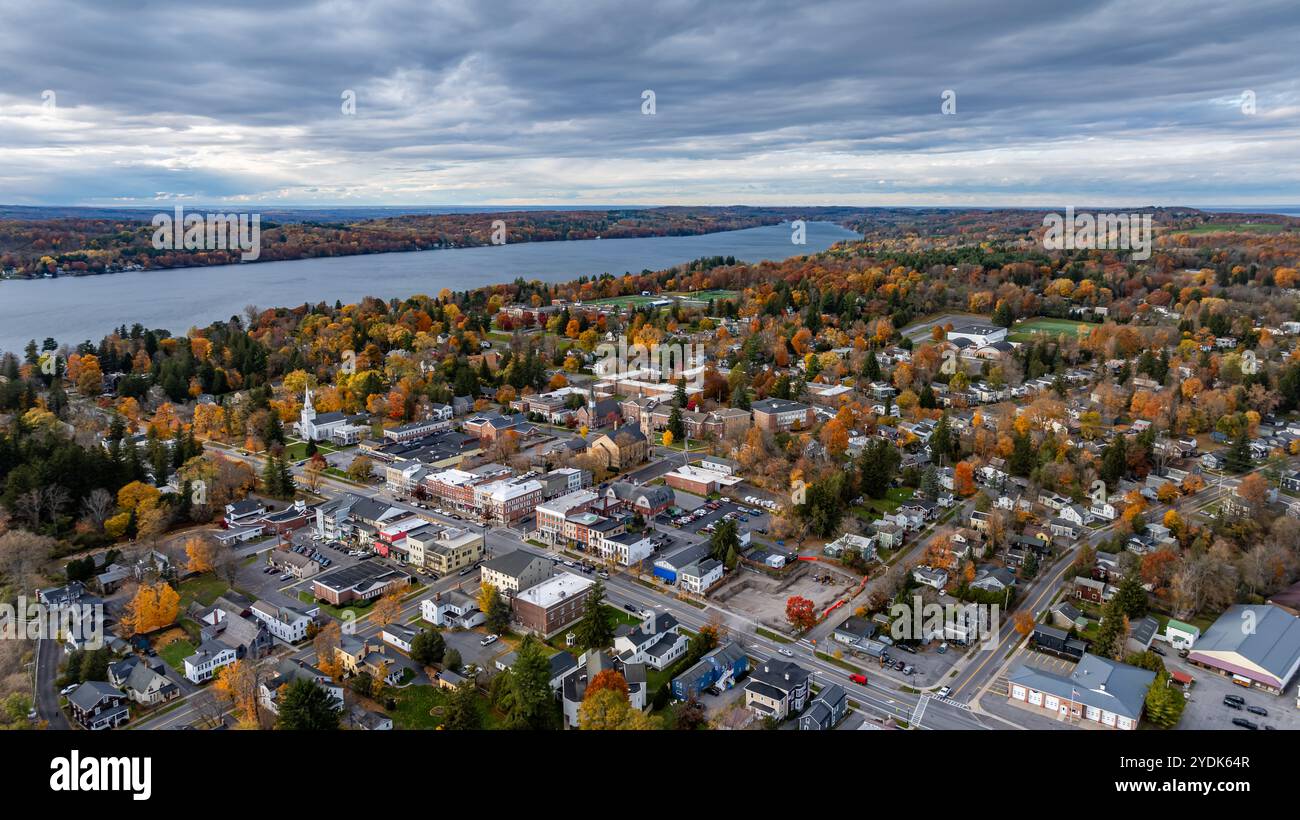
x=305 y=706
x=462 y=708
x=428 y=647
x=676 y=425
x=594 y=630
x=1238 y=457
x=740 y=397
x=498 y=612
x=1114 y=461
x=871 y=370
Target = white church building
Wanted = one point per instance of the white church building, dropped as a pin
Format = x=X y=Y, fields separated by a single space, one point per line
x=332 y=427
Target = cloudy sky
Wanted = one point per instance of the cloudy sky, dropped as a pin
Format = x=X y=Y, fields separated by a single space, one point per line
x=541 y=102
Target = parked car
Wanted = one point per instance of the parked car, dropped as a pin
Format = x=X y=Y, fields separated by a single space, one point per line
x=67 y=690
x=466 y=571
x=489 y=640
x=1237 y=699
x=1257 y=710
x=285 y=577
x=1157 y=650
x=908 y=670
x=943 y=647
x=1231 y=704
x=900 y=666
x=1245 y=724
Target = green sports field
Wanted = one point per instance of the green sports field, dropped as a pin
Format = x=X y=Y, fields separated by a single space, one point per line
x=1024 y=331
x=706 y=295
x=631 y=300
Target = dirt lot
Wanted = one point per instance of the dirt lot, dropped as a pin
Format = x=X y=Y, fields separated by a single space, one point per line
x=763 y=599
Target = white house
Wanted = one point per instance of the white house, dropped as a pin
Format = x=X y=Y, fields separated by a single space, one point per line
x=398 y=636
x=285 y=623
x=1181 y=635
x=699 y=576
x=452 y=608
x=1104 y=510
x=207 y=659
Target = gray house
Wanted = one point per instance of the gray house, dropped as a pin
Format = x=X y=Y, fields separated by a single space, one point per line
x=826 y=710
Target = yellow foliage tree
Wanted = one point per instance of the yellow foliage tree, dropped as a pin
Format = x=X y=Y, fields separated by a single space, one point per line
x=153 y=607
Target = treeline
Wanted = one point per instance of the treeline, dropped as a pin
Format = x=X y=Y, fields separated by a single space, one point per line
x=82 y=246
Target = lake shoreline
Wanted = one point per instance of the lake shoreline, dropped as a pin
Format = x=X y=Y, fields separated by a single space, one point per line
x=75 y=309
x=239 y=262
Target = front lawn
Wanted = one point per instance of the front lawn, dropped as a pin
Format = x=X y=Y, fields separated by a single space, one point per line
x=204 y=588
x=874 y=508
x=357 y=609
x=176 y=652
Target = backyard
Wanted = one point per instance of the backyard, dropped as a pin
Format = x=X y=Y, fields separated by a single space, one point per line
x=421 y=707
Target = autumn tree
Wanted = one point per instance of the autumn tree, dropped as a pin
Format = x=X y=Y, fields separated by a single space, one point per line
x=388 y=609
x=963 y=479
x=609 y=710
x=800 y=613
x=151 y=608
x=236 y=684
x=202 y=554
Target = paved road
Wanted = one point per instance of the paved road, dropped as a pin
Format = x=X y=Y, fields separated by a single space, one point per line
x=879 y=699
x=979 y=672
x=48 y=655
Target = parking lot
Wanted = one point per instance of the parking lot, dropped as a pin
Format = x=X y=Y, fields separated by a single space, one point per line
x=265 y=584
x=709 y=515
x=1206 y=710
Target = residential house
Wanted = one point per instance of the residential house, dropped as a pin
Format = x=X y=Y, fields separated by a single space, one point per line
x=285 y=623
x=721 y=667
x=452 y=608
x=826 y=710
x=777 y=689
x=207 y=660
x=97 y=705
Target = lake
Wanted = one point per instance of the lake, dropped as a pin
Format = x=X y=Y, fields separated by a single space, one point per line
x=73 y=309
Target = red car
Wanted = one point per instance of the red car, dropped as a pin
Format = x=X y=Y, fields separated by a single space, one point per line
x=858 y=678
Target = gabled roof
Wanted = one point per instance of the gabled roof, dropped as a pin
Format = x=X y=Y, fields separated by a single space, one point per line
x=89 y=694
x=1273 y=645
x=512 y=563
x=1103 y=684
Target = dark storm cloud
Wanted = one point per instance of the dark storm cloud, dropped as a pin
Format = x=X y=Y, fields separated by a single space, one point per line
x=541 y=101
